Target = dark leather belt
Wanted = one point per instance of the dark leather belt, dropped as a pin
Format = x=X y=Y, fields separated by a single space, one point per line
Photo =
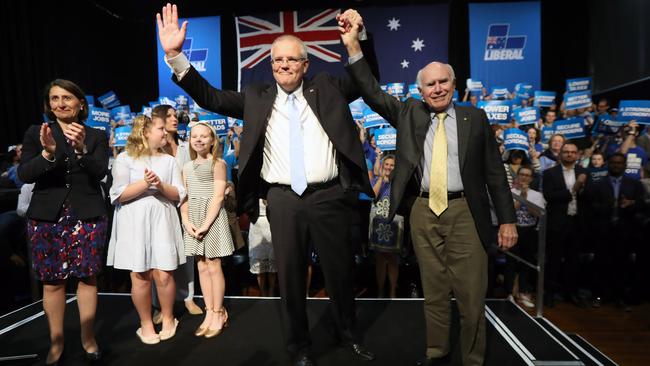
x=450 y=195
x=312 y=187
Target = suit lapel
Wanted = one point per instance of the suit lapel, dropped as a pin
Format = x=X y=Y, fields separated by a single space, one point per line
x=421 y=129
x=310 y=92
x=463 y=127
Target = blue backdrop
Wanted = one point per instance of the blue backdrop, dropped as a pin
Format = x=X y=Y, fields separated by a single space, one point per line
x=202 y=47
x=505 y=43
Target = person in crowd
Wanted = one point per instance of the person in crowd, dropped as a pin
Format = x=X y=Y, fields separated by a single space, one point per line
x=447 y=162
x=602 y=107
x=386 y=237
x=616 y=202
x=299 y=169
x=517 y=159
x=231 y=152
x=207 y=232
x=526 y=247
x=643 y=140
x=563 y=190
x=260 y=253
x=364 y=202
x=550 y=156
x=13 y=160
x=184 y=275
x=597 y=168
x=534 y=139
x=146 y=237
x=635 y=156
x=66 y=162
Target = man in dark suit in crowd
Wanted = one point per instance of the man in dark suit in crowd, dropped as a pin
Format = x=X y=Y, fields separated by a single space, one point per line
x=563 y=187
x=300 y=142
x=616 y=201
x=447 y=162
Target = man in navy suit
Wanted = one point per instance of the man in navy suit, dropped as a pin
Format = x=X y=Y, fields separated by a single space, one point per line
x=300 y=148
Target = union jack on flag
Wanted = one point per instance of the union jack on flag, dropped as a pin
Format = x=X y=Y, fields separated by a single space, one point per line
x=318 y=30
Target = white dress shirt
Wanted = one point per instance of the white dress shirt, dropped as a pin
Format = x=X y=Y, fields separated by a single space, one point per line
x=570 y=180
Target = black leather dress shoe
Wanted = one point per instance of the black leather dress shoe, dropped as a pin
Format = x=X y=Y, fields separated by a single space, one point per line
x=360 y=351
x=305 y=361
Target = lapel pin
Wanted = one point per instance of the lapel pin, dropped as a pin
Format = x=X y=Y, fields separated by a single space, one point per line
x=311 y=90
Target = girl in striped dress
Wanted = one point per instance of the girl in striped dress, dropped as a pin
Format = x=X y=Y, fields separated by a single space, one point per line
x=207 y=234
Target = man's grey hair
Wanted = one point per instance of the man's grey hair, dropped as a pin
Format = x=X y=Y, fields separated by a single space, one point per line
x=418 y=77
x=286 y=37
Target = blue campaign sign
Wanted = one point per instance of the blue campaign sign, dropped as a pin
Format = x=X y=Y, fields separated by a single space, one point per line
x=109 y=100
x=182 y=131
x=498 y=111
x=581 y=99
x=606 y=125
x=571 y=128
x=167 y=101
x=463 y=104
x=505 y=43
x=515 y=139
x=638 y=110
x=234 y=122
x=414 y=91
x=474 y=86
x=219 y=122
x=499 y=92
x=121 y=113
x=90 y=100
x=527 y=115
x=396 y=89
x=372 y=119
x=578 y=84
x=386 y=138
x=454 y=97
x=544 y=98
x=181 y=101
x=121 y=135
x=357 y=108
x=523 y=90
x=146 y=111
x=203 y=49
x=547 y=132
x=100 y=119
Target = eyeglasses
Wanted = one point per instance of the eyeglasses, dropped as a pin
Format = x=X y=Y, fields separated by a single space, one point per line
x=291 y=61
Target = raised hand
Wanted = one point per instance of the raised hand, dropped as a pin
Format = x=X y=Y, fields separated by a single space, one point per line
x=47 y=140
x=350 y=24
x=170 y=35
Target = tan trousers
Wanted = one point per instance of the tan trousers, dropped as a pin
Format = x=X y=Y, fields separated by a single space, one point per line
x=452 y=260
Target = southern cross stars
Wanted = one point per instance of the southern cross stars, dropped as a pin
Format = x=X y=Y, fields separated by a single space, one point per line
x=418 y=44
x=393 y=24
x=405 y=64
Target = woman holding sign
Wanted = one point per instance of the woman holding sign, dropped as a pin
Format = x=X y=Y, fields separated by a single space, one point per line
x=67 y=216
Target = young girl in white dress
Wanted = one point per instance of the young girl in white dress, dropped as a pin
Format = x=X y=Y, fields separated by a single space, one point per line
x=146 y=235
x=207 y=233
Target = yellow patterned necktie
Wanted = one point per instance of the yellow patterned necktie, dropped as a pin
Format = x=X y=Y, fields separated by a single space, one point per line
x=438 y=172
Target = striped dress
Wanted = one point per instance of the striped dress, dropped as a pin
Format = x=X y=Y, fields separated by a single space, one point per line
x=200 y=183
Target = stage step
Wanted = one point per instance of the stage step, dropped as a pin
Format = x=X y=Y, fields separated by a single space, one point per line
x=586 y=352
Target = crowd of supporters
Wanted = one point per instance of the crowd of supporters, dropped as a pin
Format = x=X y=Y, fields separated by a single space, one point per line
x=595 y=191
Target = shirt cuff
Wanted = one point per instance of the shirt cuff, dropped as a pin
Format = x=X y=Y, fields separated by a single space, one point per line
x=354 y=58
x=179 y=64
x=363 y=35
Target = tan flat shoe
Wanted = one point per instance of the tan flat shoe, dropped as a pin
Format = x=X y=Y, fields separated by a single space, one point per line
x=149 y=339
x=192 y=308
x=167 y=334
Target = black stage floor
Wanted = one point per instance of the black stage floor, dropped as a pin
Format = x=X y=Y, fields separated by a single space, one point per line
x=392 y=329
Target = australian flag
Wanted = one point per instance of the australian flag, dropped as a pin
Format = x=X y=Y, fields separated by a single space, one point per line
x=405 y=40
